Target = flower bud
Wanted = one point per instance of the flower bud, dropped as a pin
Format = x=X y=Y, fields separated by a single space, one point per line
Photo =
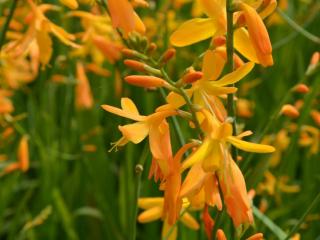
x=146 y=81
x=168 y=55
x=135 y=65
x=192 y=76
x=301 y=88
x=290 y=111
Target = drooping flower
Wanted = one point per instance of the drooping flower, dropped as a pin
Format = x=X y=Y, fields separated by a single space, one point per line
x=124 y=17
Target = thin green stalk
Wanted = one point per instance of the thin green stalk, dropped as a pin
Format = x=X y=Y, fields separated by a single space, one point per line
x=277 y=231
x=298 y=28
x=229 y=66
x=7 y=22
x=315 y=201
x=138 y=171
x=185 y=96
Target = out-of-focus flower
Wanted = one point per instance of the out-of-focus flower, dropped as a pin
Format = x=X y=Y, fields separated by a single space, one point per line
x=22 y=156
x=310 y=136
x=39 y=30
x=289 y=111
x=83 y=94
x=244 y=108
x=99 y=40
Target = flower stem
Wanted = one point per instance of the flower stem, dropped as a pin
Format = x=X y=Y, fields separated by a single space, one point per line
x=7 y=22
x=298 y=28
x=229 y=66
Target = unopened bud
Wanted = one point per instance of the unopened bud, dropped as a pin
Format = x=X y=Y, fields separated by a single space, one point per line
x=315 y=115
x=314 y=63
x=132 y=53
x=152 y=47
x=290 y=111
x=219 y=41
x=168 y=55
x=135 y=65
x=146 y=81
x=192 y=76
x=301 y=88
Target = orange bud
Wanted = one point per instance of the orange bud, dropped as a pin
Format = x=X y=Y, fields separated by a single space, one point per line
x=258 y=34
x=95 y=68
x=315 y=58
x=192 y=76
x=315 y=116
x=129 y=52
x=301 y=88
x=299 y=104
x=290 y=111
x=89 y=148
x=219 y=41
x=152 y=47
x=23 y=154
x=135 y=65
x=168 y=55
x=11 y=167
x=257 y=236
x=7 y=132
x=221 y=235
x=146 y=81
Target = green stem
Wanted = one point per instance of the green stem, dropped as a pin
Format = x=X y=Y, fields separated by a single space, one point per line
x=185 y=96
x=298 y=28
x=295 y=228
x=7 y=22
x=229 y=66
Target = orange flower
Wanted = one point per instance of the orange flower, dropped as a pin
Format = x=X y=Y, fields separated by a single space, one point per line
x=23 y=154
x=153 y=125
x=235 y=194
x=39 y=30
x=124 y=17
x=258 y=34
x=84 y=99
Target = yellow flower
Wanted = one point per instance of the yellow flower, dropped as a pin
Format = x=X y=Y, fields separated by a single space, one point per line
x=153 y=125
x=213 y=152
x=124 y=17
x=39 y=30
x=153 y=210
x=198 y=29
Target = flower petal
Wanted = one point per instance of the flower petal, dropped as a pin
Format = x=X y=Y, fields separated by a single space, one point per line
x=243 y=46
x=128 y=105
x=213 y=64
x=198 y=155
x=135 y=132
x=150 y=215
x=188 y=220
x=194 y=30
x=250 y=147
x=236 y=75
x=123 y=113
